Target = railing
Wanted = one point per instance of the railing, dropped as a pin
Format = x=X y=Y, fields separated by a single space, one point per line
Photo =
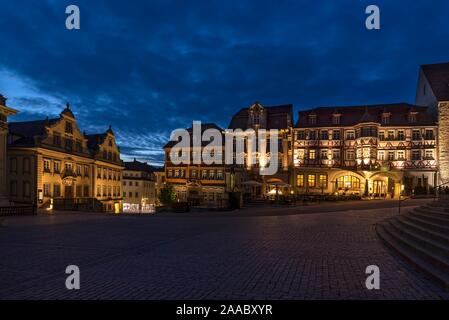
x=439 y=188
x=400 y=200
x=19 y=210
x=78 y=204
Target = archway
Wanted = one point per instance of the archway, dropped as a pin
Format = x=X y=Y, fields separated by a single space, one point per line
x=349 y=182
x=385 y=184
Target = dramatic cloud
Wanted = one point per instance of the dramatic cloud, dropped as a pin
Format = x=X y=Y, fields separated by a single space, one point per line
x=147 y=67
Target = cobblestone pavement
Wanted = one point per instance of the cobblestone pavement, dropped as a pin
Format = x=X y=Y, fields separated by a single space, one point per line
x=312 y=256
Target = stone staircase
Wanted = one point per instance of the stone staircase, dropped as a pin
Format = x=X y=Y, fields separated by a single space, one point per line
x=421 y=236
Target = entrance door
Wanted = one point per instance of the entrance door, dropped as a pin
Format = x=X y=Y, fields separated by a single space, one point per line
x=68 y=192
x=116 y=208
x=379 y=188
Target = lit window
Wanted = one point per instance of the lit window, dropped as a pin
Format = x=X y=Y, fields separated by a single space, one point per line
x=312 y=154
x=300 y=180
x=348 y=182
x=350 y=135
x=323 y=180
x=311 y=181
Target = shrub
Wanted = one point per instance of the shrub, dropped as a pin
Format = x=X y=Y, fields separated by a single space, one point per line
x=167 y=195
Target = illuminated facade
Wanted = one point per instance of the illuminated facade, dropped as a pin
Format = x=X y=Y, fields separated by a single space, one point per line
x=53 y=164
x=370 y=151
x=199 y=184
x=258 y=117
x=159 y=174
x=139 y=187
x=5 y=112
x=433 y=92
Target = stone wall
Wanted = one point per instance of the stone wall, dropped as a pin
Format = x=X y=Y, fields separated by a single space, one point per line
x=443 y=141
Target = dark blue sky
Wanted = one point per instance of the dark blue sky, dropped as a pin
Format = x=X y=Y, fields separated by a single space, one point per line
x=148 y=67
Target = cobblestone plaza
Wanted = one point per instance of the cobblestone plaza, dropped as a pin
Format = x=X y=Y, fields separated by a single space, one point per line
x=256 y=254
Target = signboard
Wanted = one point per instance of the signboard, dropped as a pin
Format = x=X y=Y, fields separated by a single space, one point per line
x=137 y=208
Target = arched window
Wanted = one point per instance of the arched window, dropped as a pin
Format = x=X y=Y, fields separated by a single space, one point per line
x=349 y=182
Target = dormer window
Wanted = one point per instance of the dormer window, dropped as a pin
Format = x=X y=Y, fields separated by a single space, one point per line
x=386 y=118
x=256 y=118
x=312 y=119
x=413 y=117
x=336 y=118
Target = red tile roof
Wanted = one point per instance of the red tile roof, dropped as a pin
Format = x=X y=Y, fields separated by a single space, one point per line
x=352 y=115
x=438 y=76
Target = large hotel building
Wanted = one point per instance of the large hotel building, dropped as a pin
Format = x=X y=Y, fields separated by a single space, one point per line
x=366 y=150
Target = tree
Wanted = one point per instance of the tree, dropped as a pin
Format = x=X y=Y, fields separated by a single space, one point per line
x=167 y=195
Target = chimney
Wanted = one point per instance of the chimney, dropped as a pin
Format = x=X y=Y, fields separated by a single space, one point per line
x=2 y=100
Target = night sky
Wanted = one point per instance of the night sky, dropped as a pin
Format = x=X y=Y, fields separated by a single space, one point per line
x=148 y=67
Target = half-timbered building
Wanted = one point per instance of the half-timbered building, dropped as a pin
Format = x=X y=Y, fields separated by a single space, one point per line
x=376 y=150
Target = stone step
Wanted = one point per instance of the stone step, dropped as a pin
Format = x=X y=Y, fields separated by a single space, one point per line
x=441 y=214
x=415 y=255
x=437 y=204
x=427 y=224
x=436 y=208
x=430 y=217
x=426 y=241
x=423 y=230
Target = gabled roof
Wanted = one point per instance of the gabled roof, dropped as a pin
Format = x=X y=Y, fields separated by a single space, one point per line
x=139 y=166
x=277 y=117
x=95 y=140
x=28 y=130
x=68 y=112
x=438 y=77
x=204 y=127
x=352 y=115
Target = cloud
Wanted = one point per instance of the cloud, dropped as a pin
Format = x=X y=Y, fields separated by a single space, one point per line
x=153 y=66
